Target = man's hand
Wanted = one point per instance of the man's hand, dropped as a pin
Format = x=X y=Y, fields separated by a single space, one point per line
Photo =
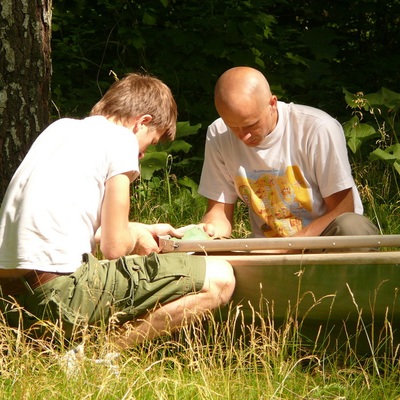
x=217 y=222
x=208 y=228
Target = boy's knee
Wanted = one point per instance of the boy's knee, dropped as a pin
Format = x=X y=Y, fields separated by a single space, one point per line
x=220 y=279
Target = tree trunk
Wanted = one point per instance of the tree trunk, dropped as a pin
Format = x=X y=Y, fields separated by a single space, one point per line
x=25 y=73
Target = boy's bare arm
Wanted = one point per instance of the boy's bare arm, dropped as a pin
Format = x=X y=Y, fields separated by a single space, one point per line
x=116 y=239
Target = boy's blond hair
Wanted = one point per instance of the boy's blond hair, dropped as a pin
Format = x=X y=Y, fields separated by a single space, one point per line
x=136 y=95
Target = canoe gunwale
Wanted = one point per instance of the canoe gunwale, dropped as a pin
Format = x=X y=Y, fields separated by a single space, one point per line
x=356 y=258
x=321 y=243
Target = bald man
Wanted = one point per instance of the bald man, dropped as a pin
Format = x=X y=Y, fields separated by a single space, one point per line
x=288 y=163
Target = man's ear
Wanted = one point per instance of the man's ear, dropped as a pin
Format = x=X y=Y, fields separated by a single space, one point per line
x=273 y=100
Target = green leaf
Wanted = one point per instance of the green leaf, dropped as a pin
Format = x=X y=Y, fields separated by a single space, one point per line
x=357 y=133
x=349 y=98
x=297 y=59
x=384 y=97
x=152 y=162
x=149 y=19
x=397 y=166
x=189 y=183
x=138 y=42
x=184 y=129
x=356 y=100
x=390 y=154
x=170 y=147
x=176 y=146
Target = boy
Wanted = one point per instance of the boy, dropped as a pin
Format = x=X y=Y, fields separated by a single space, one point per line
x=72 y=191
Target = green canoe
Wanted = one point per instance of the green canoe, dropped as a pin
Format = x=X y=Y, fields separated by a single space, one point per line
x=334 y=285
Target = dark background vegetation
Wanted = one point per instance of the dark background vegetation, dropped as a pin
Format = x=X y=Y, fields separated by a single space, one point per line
x=308 y=50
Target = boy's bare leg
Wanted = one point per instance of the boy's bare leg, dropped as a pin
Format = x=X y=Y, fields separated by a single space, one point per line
x=217 y=290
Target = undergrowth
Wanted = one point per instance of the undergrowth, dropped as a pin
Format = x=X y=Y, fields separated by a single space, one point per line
x=214 y=357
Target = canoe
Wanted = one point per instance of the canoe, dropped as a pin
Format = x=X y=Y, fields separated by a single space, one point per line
x=345 y=286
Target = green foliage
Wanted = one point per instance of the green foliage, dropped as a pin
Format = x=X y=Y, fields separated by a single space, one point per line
x=167 y=199
x=197 y=39
x=156 y=174
x=373 y=137
x=357 y=133
x=319 y=47
x=308 y=50
x=376 y=116
x=391 y=155
x=160 y=157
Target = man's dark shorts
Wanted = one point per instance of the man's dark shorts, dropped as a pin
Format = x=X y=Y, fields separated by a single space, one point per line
x=98 y=291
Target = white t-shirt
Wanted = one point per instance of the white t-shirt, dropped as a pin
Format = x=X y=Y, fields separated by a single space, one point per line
x=51 y=210
x=286 y=177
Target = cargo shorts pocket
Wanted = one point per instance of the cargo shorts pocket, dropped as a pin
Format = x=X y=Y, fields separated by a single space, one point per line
x=85 y=296
x=153 y=280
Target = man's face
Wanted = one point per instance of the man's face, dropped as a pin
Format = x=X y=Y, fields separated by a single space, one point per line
x=253 y=123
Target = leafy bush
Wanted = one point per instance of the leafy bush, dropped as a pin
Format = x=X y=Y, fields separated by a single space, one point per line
x=373 y=138
x=159 y=195
x=375 y=117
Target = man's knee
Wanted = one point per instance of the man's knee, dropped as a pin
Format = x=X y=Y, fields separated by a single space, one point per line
x=350 y=224
x=220 y=280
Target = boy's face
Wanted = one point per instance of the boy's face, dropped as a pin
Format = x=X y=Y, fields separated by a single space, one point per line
x=146 y=136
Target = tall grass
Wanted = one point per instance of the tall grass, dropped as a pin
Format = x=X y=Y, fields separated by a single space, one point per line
x=211 y=358
x=219 y=356
x=380 y=195
x=167 y=200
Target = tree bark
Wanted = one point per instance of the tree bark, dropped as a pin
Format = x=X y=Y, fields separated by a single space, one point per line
x=25 y=73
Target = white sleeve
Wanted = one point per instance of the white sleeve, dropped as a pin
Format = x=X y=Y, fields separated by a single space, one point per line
x=331 y=162
x=332 y=167
x=123 y=156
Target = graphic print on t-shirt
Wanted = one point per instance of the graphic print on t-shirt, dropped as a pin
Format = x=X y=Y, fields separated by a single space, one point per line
x=281 y=199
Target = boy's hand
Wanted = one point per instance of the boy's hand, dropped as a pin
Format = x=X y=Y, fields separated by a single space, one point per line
x=146 y=236
x=164 y=230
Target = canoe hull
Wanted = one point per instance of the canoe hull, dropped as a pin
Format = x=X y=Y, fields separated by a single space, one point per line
x=343 y=294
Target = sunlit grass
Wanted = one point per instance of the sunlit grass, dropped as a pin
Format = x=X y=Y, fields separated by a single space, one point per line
x=211 y=358
x=220 y=356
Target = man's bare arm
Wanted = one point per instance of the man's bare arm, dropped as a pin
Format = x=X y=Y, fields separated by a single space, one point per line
x=218 y=219
x=337 y=204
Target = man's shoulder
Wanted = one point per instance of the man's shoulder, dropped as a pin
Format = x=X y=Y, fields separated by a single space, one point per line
x=307 y=111
x=218 y=130
x=218 y=126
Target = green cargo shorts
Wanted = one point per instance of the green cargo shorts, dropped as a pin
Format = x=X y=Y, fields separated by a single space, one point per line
x=120 y=289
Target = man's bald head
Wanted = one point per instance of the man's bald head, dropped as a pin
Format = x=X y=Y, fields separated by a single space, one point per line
x=241 y=86
x=244 y=101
